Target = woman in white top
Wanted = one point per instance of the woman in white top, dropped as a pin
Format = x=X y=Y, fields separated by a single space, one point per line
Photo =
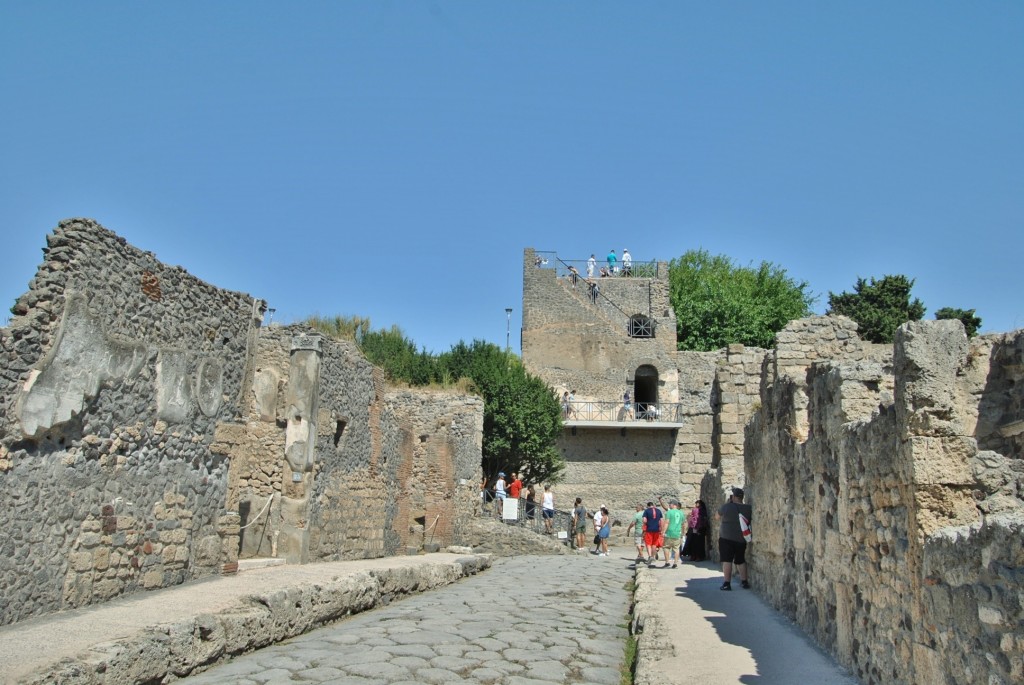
x=548 y=509
x=598 y=520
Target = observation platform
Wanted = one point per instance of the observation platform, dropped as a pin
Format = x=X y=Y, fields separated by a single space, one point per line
x=644 y=415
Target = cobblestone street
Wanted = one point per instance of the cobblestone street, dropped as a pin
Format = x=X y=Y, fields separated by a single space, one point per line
x=528 y=620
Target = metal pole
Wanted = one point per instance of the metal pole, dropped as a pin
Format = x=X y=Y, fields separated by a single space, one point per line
x=508 y=326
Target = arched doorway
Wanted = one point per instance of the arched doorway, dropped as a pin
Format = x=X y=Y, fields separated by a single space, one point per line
x=645 y=391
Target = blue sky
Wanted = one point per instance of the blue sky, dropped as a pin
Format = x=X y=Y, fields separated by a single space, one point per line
x=393 y=159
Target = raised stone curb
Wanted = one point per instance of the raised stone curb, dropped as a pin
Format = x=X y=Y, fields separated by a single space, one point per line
x=166 y=651
x=653 y=640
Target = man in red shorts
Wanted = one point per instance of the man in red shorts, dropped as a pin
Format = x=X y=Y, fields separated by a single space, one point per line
x=653 y=518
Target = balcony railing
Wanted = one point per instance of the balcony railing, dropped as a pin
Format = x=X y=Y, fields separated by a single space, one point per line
x=636 y=269
x=663 y=412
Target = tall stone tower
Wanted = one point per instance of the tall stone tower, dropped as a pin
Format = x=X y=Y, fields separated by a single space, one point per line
x=601 y=339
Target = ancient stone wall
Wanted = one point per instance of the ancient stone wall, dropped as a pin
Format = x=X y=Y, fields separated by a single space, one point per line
x=152 y=431
x=879 y=524
x=115 y=371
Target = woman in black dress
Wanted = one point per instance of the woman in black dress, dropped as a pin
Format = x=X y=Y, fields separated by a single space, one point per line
x=696 y=546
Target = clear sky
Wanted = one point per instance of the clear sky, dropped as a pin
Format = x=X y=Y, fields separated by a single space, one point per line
x=393 y=159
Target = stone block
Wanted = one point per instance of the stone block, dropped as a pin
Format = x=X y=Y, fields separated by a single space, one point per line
x=941 y=460
x=153 y=579
x=101 y=559
x=81 y=561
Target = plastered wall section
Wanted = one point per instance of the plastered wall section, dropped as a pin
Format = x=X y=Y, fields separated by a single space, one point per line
x=881 y=527
x=387 y=471
x=308 y=421
x=440 y=442
x=114 y=372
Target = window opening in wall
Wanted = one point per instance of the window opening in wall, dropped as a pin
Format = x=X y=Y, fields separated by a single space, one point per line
x=339 y=429
x=645 y=392
x=641 y=326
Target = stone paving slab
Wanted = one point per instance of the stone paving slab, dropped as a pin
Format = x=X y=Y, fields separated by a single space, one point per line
x=531 y=620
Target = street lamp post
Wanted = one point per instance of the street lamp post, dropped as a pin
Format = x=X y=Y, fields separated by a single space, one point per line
x=508 y=326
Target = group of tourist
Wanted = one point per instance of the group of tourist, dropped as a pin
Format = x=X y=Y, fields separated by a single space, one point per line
x=649 y=411
x=568 y=398
x=658 y=532
x=600 y=519
x=526 y=494
x=612 y=267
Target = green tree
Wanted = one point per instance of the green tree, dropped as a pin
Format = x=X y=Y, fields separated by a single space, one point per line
x=966 y=316
x=391 y=350
x=522 y=417
x=718 y=303
x=879 y=307
x=388 y=348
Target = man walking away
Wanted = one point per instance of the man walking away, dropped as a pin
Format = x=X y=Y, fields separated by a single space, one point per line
x=731 y=545
x=673 y=530
x=652 y=532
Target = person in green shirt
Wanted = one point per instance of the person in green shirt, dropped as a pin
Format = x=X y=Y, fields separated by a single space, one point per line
x=673 y=531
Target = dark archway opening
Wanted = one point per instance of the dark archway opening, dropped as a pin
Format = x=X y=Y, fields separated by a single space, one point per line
x=645 y=389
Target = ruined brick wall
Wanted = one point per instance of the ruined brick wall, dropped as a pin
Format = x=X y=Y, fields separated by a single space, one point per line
x=386 y=464
x=880 y=526
x=735 y=395
x=115 y=371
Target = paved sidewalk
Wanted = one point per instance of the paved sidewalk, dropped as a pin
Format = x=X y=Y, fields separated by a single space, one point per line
x=695 y=633
x=102 y=638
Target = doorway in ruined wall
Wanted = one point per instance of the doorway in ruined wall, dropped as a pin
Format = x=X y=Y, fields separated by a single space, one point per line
x=645 y=391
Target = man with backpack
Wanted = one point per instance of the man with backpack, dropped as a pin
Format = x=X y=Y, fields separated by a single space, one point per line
x=735 y=517
x=653 y=526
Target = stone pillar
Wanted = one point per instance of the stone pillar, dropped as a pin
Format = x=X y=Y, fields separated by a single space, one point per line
x=934 y=452
x=927 y=356
x=302 y=402
x=229 y=528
